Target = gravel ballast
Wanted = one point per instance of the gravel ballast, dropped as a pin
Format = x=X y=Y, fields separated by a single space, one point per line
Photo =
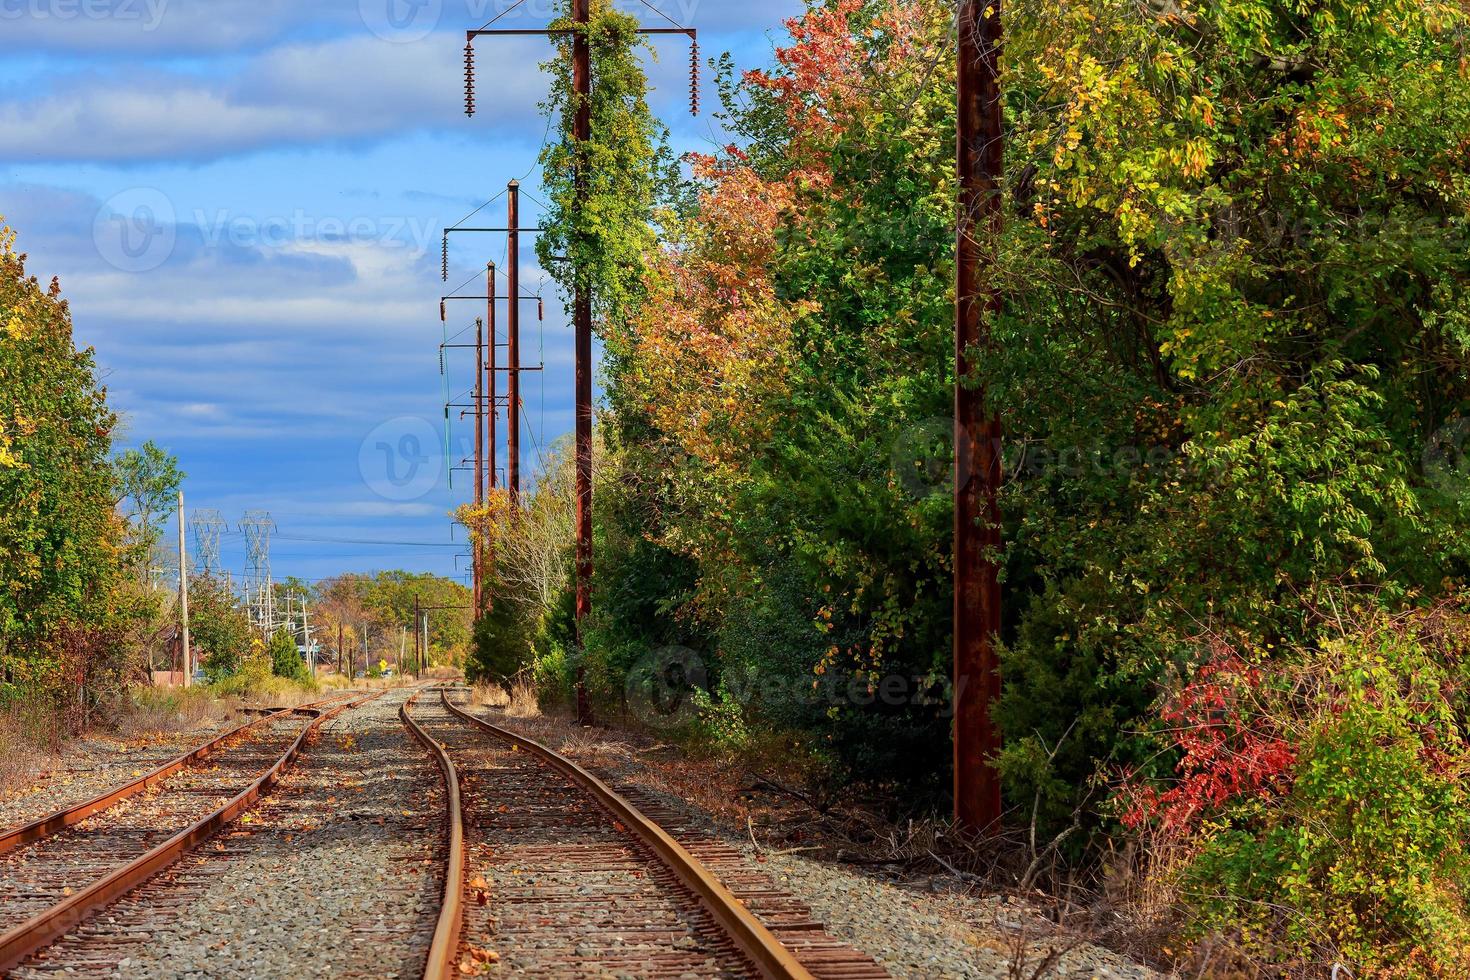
x=337 y=872
x=912 y=933
x=91 y=766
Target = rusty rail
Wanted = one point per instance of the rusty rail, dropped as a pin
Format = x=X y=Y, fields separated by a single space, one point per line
x=440 y=964
x=756 y=942
x=60 y=820
x=61 y=918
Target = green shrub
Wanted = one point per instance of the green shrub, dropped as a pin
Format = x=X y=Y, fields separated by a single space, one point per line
x=1322 y=806
x=286 y=660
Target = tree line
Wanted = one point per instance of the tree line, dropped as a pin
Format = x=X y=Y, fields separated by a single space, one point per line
x=1231 y=362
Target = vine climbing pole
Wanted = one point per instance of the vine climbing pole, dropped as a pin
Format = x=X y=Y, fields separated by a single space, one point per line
x=582 y=327
x=493 y=423
x=491 y=386
x=977 y=542
x=581 y=22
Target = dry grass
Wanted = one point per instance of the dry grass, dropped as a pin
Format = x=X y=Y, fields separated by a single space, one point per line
x=523 y=700
x=30 y=740
x=488 y=696
x=156 y=711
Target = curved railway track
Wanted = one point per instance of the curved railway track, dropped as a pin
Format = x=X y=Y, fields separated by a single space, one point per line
x=553 y=873
x=57 y=872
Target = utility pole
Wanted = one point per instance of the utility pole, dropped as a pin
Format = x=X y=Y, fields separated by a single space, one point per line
x=582 y=324
x=582 y=297
x=491 y=384
x=306 y=631
x=977 y=538
x=418 y=655
x=513 y=346
x=184 y=597
x=479 y=442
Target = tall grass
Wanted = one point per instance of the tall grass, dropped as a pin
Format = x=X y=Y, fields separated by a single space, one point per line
x=30 y=734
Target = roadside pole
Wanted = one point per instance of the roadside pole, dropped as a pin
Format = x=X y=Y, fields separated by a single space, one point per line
x=184 y=598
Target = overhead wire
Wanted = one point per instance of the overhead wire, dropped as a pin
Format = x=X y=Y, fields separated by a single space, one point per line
x=501 y=14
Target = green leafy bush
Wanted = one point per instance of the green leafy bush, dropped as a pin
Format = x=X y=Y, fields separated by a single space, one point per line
x=285 y=657
x=1320 y=813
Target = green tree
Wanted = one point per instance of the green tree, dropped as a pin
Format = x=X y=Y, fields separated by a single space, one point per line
x=68 y=617
x=285 y=658
x=148 y=481
x=218 y=627
x=1235 y=287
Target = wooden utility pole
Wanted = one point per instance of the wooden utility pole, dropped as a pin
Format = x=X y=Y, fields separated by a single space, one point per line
x=581 y=292
x=479 y=445
x=977 y=540
x=418 y=655
x=513 y=345
x=582 y=324
x=184 y=599
x=491 y=384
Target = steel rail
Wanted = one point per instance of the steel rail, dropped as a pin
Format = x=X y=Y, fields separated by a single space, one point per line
x=60 y=820
x=43 y=929
x=440 y=964
x=759 y=944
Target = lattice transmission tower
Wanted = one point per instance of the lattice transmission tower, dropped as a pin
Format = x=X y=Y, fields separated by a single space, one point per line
x=260 y=593
x=207 y=525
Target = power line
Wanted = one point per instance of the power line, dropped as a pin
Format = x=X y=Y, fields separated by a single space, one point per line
x=387 y=544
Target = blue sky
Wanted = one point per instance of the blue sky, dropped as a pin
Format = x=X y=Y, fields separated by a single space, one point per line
x=243 y=201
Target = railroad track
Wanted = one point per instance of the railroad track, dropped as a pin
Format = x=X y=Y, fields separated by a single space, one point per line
x=55 y=873
x=551 y=872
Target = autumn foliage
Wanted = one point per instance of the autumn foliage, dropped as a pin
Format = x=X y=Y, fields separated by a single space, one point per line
x=1233 y=363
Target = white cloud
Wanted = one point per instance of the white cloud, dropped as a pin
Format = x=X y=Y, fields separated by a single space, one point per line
x=352 y=89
